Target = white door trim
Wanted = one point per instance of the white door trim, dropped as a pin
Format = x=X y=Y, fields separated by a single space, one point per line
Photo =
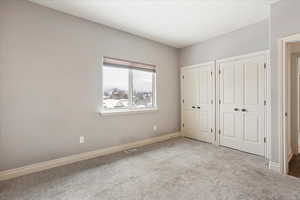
x=244 y=56
x=298 y=99
x=282 y=63
x=268 y=96
x=197 y=65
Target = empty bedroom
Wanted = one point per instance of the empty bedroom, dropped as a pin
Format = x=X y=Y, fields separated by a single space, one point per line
x=149 y=99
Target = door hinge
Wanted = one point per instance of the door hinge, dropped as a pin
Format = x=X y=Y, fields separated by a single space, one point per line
x=265 y=102
x=265 y=140
x=212 y=101
x=211 y=73
x=265 y=65
x=182 y=77
x=219 y=71
x=219 y=101
x=219 y=132
x=182 y=125
x=286 y=114
x=211 y=130
x=182 y=100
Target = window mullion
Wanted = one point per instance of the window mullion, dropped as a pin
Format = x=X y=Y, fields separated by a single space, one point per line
x=130 y=89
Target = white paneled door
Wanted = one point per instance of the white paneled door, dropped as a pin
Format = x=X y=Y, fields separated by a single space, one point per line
x=198 y=102
x=242 y=93
x=189 y=95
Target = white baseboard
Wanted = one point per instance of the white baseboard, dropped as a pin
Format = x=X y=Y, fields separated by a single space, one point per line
x=275 y=166
x=13 y=173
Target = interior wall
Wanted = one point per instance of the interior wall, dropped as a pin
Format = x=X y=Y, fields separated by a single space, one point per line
x=50 y=85
x=249 y=39
x=284 y=21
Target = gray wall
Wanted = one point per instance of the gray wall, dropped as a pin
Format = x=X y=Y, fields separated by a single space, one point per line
x=249 y=39
x=49 y=85
x=284 y=21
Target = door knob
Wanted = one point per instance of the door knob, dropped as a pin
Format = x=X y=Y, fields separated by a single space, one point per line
x=198 y=107
x=244 y=110
x=193 y=107
x=236 y=109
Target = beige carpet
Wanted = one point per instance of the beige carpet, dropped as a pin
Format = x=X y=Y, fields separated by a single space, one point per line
x=179 y=169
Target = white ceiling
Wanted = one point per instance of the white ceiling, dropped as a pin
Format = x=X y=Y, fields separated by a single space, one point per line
x=177 y=23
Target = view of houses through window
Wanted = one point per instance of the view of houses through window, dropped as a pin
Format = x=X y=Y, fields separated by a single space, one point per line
x=142 y=88
x=115 y=87
x=126 y=88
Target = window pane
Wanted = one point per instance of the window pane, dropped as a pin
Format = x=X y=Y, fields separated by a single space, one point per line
x=115 y=87
x=142 y=89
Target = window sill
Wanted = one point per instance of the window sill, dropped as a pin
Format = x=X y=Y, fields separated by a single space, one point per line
x=127 y=112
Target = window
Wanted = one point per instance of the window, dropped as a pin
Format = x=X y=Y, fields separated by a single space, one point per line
x=127 y=86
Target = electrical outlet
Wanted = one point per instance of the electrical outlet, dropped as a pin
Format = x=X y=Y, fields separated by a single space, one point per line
x=154 y=128
x=81 y=139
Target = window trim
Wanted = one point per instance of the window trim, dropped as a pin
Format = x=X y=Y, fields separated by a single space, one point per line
x=130 y=109
x=128 y=112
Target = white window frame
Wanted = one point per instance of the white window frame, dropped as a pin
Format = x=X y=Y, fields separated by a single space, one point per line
x=130 y=109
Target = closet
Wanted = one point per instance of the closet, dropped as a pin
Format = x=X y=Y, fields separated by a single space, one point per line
x=198 y=110
x=224 y=102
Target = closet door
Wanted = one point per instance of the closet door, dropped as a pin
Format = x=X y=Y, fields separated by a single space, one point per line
x=230 y=93
x=253 y=109
x=198 y=102
x=205 y=111
x=189 y=95
x=241 y=110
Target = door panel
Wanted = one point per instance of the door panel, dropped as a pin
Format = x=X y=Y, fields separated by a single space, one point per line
x=253 y=102
x=231 y=130
x=205 y=106
x=251 y=82
x=251 y=129
x=204 y=125
x=190 y=121
x=228 y=84
x=204 y=86
x=230 y=96
x=190 y=100
x=189 y=89
x=254 y=128
x=229 y=123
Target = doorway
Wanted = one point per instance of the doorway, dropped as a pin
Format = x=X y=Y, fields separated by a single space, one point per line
x=293 y=156
x=289 y=105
